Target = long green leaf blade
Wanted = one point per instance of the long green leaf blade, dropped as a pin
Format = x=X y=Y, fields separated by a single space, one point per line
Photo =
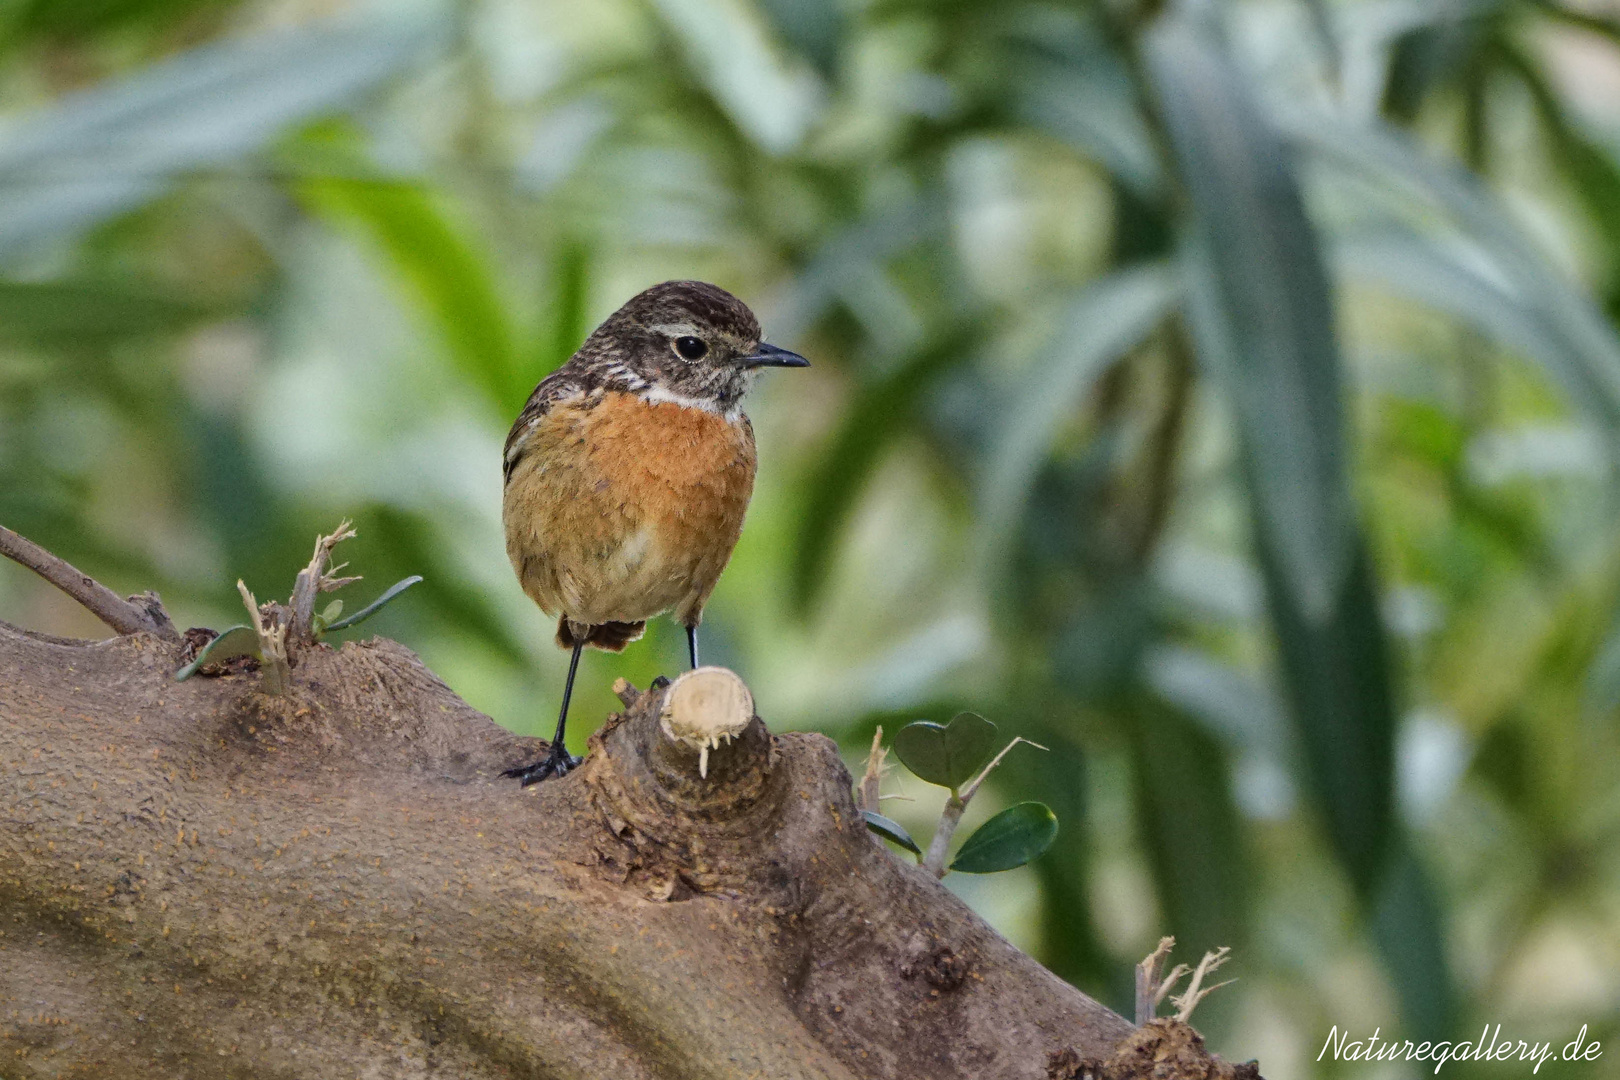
x=1262 y=318
x=1066 y=78
x=882 y=412
x=1421 y=268
x=376 y=605
x=1189 y=826
x=70 y=165
x=1408 y=925
x=439 y=262
x=1261 y=312
x=773 y=98
x=1592 y=169
x=1588 y=357
x=1106 y=320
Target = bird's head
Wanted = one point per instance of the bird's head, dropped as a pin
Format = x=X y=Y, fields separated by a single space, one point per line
x=685 y=341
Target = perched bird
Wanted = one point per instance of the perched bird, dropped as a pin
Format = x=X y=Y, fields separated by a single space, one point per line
x=629 y=471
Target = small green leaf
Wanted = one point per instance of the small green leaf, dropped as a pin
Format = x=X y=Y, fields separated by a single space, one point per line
x=376 y=605
x=237 y=641
x=890 y=829
x=322 y=620
x=947 y=755
x=1012 y=838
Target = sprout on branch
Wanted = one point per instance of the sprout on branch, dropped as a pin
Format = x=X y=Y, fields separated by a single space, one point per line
x=953 y=756
x=273 y=627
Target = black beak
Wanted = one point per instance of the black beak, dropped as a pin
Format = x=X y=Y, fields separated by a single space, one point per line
x=771 y=356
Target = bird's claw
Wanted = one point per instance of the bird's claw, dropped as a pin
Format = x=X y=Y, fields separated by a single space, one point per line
x=557 y=762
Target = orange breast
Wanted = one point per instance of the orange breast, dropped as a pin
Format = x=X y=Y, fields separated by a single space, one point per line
x=620 y=510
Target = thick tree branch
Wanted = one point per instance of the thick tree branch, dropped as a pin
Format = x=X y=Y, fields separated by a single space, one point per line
x=139 y=614
x=198 y=879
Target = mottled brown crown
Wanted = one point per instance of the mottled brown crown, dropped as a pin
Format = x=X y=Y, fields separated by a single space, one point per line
x=696 y=302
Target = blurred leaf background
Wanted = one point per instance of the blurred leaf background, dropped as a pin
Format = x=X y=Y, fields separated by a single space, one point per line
x=1225 y=395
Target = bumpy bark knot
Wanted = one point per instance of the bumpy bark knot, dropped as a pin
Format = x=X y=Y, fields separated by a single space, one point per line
x=685 y=781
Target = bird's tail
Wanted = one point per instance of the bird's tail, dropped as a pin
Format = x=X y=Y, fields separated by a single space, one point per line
x=608 y=636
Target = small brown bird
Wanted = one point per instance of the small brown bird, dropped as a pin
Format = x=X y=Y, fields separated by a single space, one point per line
x=629 y=471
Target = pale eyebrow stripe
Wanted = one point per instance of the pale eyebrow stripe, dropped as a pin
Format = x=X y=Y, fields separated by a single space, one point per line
x=681 y=329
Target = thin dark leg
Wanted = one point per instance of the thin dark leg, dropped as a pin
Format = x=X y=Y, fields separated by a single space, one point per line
x=691 y=643
x=558 y=761
x=568 y=692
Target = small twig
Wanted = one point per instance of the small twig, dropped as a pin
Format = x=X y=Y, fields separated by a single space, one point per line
x=142 y=614
x=625 y=692
x=316 y=578
x=1188 y=1001
x=973 y=785
x=1149 y=991
x=873 y=779
x=949 y=818
x=1169 y=984
x=275 y=672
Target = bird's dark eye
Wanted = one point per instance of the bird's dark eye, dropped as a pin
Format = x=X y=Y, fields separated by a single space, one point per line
x=691 y=348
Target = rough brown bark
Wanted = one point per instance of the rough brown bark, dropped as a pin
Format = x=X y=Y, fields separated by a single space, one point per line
x=201 y=880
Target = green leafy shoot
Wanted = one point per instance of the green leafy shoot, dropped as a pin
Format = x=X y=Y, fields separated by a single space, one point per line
x=1017 y=835
x=322 y=620
x=953 y=756
x=891 y=830
x=372 y=608
x=237 y=641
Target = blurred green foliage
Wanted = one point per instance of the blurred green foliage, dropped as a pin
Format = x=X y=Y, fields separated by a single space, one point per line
x=1223 y=394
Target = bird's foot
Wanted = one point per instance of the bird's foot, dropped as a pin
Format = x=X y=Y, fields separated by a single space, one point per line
x=557 y=762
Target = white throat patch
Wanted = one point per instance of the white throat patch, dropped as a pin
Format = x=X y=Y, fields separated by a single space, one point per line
x=658 y=395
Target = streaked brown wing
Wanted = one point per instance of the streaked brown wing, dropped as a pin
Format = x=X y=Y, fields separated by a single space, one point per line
x=561 y=385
